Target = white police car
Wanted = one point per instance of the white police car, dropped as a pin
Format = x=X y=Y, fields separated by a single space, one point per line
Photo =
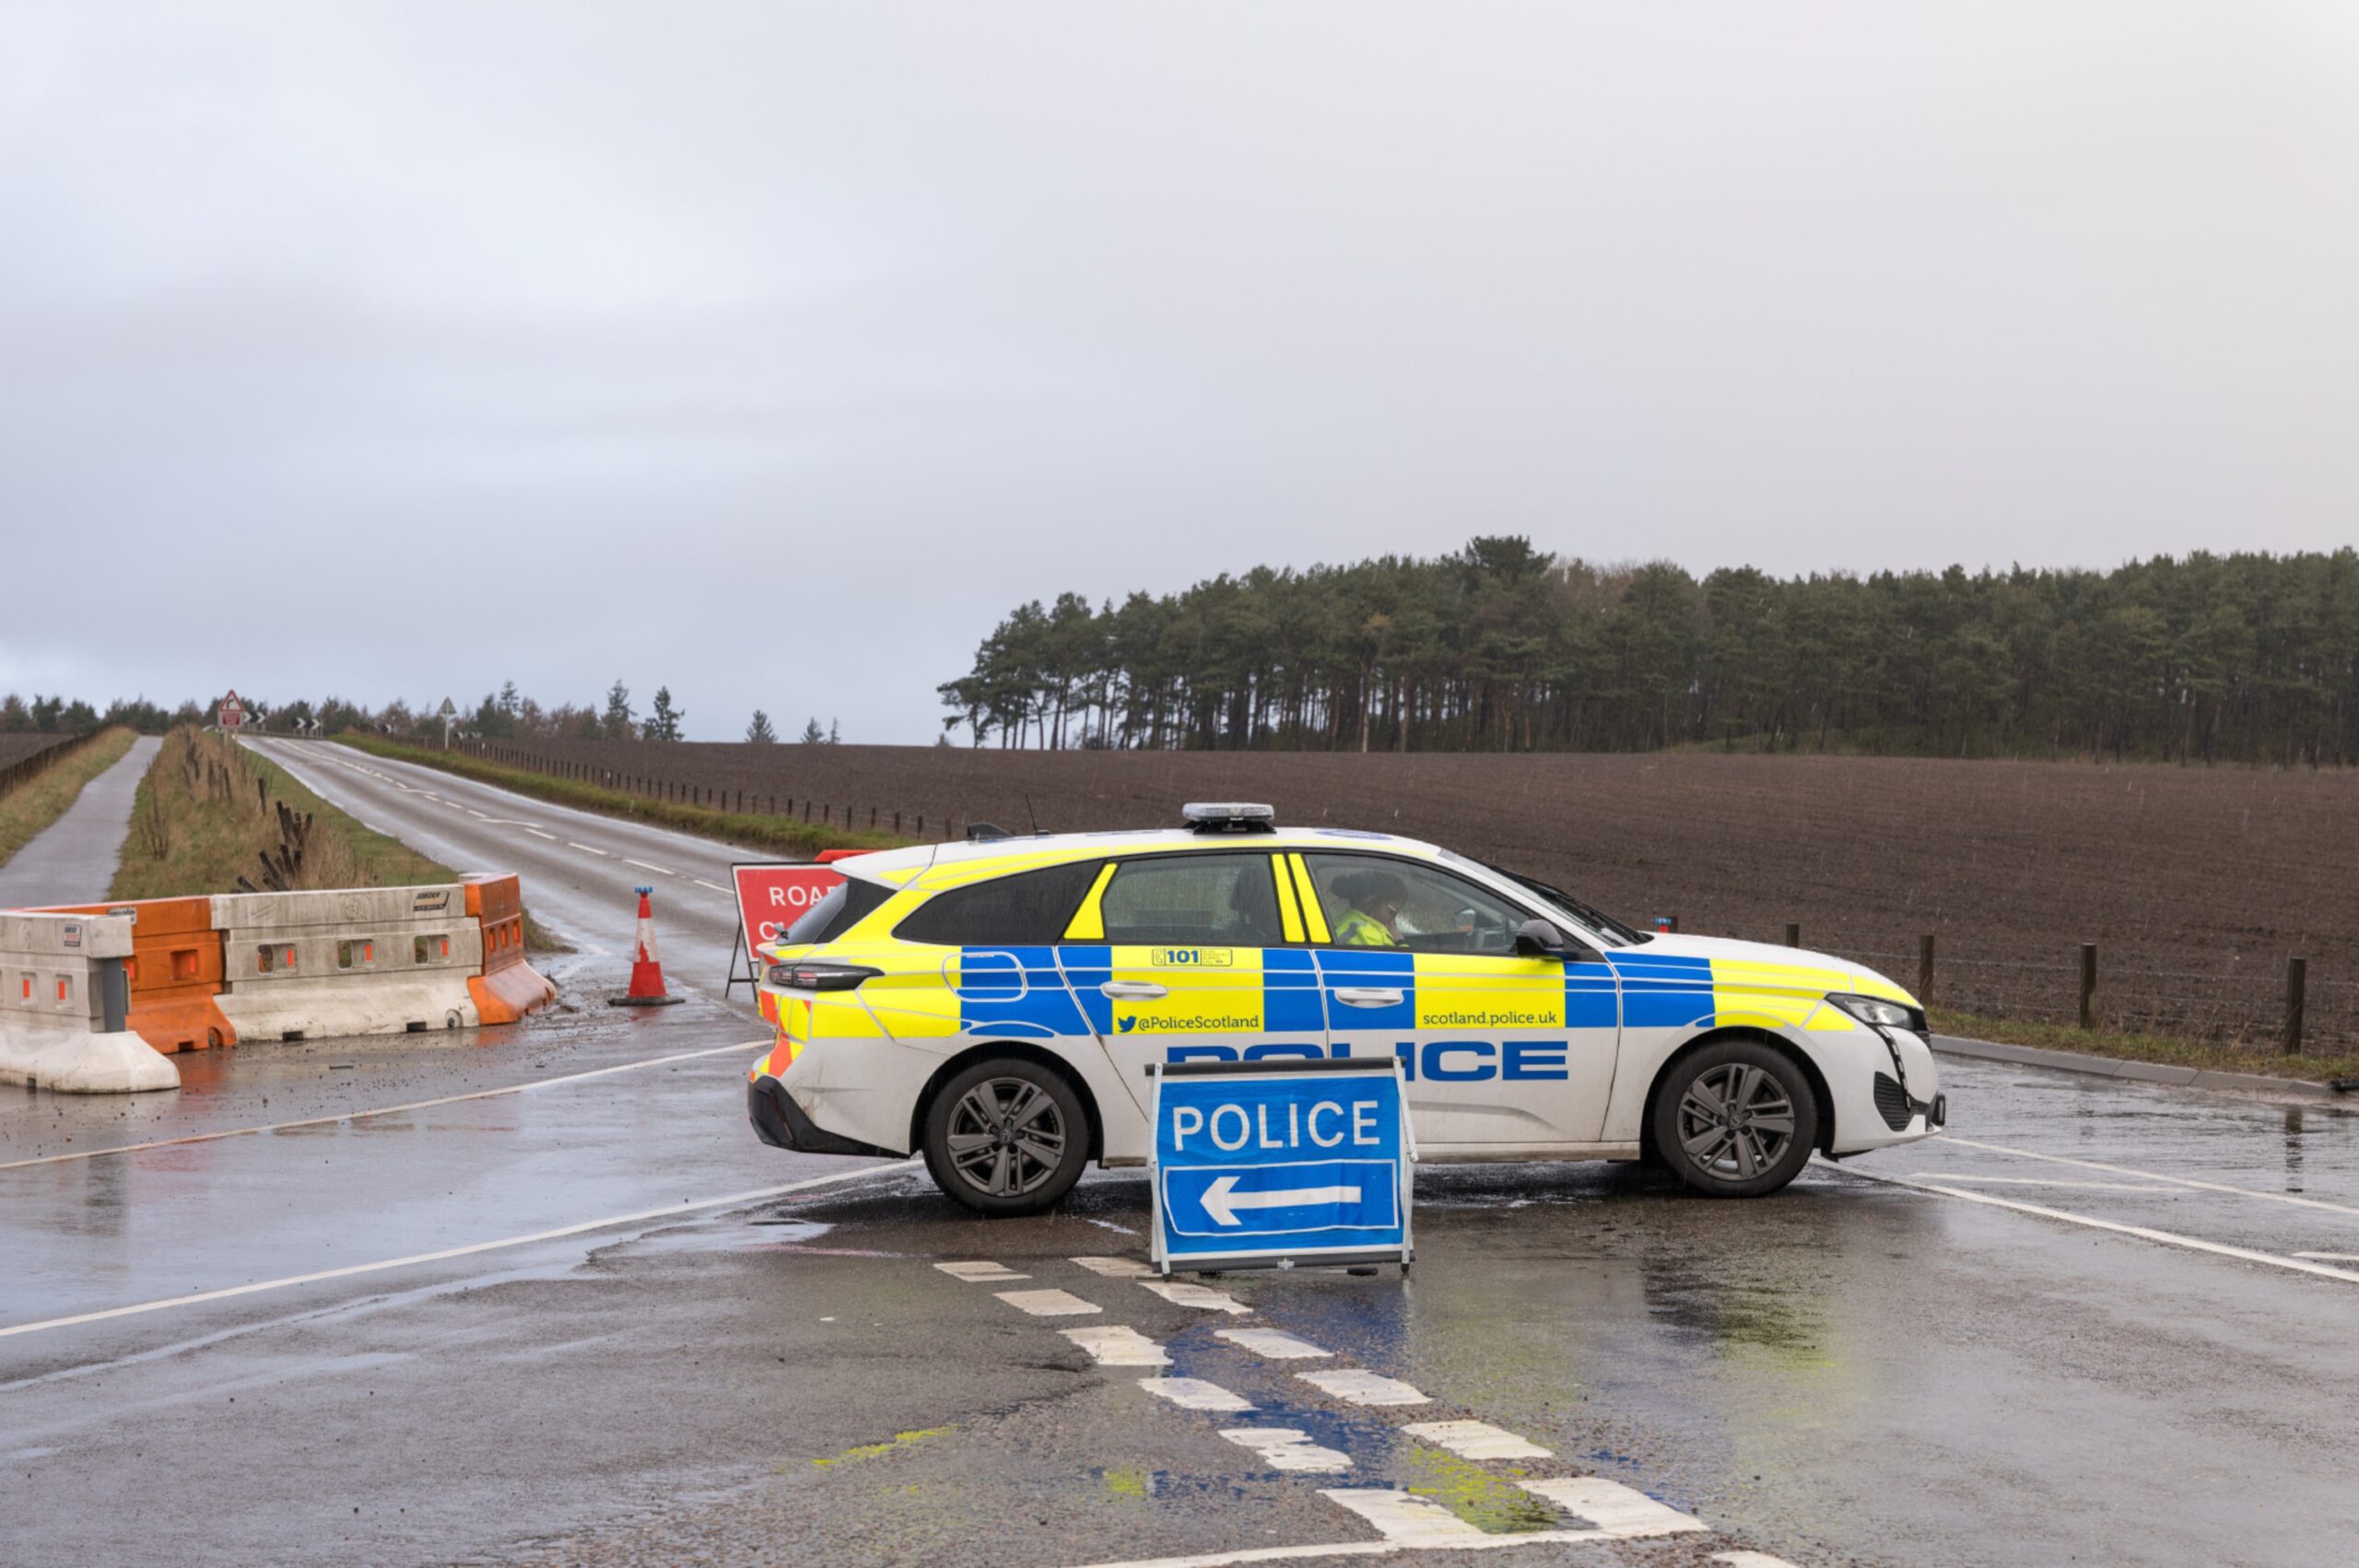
x=996 y=1004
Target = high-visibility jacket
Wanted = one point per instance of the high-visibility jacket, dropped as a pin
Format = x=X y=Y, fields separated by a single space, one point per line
x=1360 y=929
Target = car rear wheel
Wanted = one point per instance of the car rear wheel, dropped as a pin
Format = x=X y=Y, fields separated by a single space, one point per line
x=1736 y=1119
x=1006 y=1137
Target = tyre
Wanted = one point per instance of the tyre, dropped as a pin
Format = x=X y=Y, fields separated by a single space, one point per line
x=1006 y=1137
x=1736 y=1119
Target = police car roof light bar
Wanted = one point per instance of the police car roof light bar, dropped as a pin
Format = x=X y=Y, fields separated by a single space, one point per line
x=1229 y=816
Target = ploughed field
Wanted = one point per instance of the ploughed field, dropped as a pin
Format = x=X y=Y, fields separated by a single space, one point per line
x=2195 y=884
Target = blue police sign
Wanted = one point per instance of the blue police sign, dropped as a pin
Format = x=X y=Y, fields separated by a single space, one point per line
x=1266 y=1163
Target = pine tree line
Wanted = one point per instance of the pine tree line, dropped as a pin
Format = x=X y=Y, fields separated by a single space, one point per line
x=1501 y=646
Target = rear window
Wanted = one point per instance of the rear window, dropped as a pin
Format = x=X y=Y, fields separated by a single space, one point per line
x=1027 y=909
x=845 y=906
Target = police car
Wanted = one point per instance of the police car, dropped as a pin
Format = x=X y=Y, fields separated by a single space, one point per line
x=997 y=1004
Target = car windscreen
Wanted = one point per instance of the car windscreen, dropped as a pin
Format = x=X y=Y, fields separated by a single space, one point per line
x=845 y=906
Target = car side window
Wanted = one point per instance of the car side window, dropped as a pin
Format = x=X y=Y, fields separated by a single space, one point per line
x=1373 y=902
x=1029 y=909
x=1192 y=901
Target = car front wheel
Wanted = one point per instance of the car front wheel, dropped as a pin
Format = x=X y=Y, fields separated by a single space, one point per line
x=1736 y=1119
x=1006 y=1138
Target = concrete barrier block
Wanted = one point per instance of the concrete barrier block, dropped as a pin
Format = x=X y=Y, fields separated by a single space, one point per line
x=74 y=1061
x=51 y=1030
x=352 y=1005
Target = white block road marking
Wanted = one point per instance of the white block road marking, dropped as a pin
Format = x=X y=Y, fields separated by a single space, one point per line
x=2157 y=1176
x=1357 y=1387
x=1046 y=1303
x=2045 y=1181
x=1475 y=1440
x=979 y=1272
x=1749 y=1560
x=1276 y=1343
x=1115 y=1345
x=1117 y=1268
x=1288 y=1448
x=2143 y=1233
x=1180 y=1293
x=385 y=1110
x=583 y=848
x=1617 y=1510
x=668 y=1212
x=642 y=865
x=1193 y=1394
x=1408 y=1521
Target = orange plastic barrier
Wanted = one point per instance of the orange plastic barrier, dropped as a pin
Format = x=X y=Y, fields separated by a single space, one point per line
x=509 y=988
x=175 y=970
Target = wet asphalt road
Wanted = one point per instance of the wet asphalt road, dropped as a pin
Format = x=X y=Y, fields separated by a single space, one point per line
x=74 y=858
x=1855 y=1371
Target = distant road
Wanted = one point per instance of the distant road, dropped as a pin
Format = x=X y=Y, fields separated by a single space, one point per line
x=73 y=861
x=578 y=868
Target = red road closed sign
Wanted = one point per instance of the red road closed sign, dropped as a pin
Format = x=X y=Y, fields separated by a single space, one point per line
x=773 y=895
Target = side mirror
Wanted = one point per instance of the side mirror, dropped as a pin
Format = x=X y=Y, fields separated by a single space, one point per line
x=1538 y=939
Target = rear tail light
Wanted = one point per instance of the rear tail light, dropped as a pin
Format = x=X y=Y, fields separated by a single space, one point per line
x=809 y=977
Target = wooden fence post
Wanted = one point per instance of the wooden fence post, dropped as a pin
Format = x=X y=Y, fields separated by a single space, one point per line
x=1925 y=969
x=1794 y=934
x=2088 y=985
x=897 y=822
x=2297 y=974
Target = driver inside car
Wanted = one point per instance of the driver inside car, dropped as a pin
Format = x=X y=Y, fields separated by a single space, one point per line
x=1373 y=919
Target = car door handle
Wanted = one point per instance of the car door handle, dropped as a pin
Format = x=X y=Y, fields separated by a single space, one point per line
x=1133 y=990
x=1357 y=995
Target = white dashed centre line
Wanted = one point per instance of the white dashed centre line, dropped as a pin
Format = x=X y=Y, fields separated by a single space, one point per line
x=1193 y=1394
x=1357 y=1387
x=1180 y=1293
x=1477 y=1440
x=1117 y=1268
x=1288 y=1448
x=1046 y=1303
x=642 y=865
x=538 y=834
x=1116 y=1345
x=979 y=1271
x=584 y=849
x=1275 y=1343
x=701 y=883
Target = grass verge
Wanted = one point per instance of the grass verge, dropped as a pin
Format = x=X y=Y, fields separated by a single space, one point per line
x=2160 y=1048
x=42 y=799
x=207 y=814
x=779 y=833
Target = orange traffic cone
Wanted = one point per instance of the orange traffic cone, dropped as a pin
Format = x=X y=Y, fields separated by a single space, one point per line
x=646 y=969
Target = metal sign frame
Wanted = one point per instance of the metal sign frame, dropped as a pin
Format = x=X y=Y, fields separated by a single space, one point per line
x=1290 y=1257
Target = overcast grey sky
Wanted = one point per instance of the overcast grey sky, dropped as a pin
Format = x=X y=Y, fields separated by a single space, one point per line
x=773 y=350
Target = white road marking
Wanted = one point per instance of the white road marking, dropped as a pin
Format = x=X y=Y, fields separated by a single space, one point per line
x=538 y=834
x=1475 y=1440
x=1179 y=1293
x=1115 y=1345
x=2045 y=1181
x=714 y=885
x=1046 y=1303
x=382 y=1110
x=2168 y=1238
x=1288 y=1448
x=583 y=848
x=1357 y=1387
x=1117 y=1268
x=479 y=817
x=2157 y=1175
x=1749 y=1560
x=979 y=1272
x=642 y=865
x=1408 y=1521
x=1617 y=1510
x=1276 y=1343
x=669 y=1211
x=1193 y=1394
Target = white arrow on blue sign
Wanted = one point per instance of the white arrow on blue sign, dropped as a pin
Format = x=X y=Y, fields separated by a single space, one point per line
x=1261 y=1164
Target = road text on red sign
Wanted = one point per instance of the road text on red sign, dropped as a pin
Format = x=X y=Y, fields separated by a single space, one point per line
x=772 y=896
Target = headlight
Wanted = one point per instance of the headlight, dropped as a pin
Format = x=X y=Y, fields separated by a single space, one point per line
x=809 y=977
x=1877 y=1010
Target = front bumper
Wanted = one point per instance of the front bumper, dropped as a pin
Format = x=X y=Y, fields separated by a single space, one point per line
x=779 y=1122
